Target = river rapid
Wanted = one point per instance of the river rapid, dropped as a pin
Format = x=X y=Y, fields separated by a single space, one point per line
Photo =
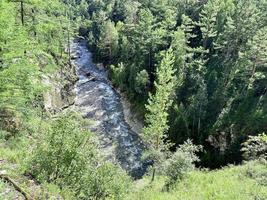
x=97 y=100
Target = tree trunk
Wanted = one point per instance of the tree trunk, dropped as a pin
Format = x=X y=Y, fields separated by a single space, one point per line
x=22 y=12
x=154 y=169
x=69 y=46
x=198 y=127
x=16 y=186
x=149 y=59
x=153 y=175
x=110 y=54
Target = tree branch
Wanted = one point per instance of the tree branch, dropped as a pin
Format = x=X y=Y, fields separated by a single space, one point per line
x=16 y=186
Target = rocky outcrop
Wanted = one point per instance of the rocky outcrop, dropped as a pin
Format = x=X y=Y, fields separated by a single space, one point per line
x=60 y=89
x=130 y=115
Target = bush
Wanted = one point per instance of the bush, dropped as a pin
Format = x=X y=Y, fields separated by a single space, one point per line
x=142 y=82
x=105 y=182
x=255 y=147
x=68 y=157
x=181 y=162
x=118 y=75
x=257 y=170
x=10 y=123
x=64 y=152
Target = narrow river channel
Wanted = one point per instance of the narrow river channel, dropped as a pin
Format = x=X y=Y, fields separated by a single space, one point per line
x=98 y=101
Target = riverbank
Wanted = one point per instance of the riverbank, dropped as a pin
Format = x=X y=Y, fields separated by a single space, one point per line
x=131 y=117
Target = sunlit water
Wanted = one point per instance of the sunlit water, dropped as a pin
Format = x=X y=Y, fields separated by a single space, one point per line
x=97 y=100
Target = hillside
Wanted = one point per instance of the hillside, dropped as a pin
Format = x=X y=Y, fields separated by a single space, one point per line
x=133 y=99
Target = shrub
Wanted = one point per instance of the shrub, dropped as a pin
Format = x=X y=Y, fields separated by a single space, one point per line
x=118 y=75
x=181 y=162
x=255 y=147
x=10 y=123
x=142 y=82
x=67 y=156
x=64 y=151
x=106 y=181
x=257 y=170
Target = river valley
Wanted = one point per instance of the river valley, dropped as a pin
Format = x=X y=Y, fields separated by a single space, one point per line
x=97 y=100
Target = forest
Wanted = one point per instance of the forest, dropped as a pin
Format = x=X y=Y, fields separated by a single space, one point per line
x=193 y=71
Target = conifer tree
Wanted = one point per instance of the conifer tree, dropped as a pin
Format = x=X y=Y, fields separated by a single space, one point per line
x=158 y=106
x=143 y=36
x=108 y=41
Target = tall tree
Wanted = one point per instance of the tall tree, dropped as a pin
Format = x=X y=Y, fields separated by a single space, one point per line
x=108 y=41
x=158 y=106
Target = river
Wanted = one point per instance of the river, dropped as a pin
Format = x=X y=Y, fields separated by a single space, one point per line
x=98 y=101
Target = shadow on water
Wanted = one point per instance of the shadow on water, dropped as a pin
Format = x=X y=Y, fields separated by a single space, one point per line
x=97 y=100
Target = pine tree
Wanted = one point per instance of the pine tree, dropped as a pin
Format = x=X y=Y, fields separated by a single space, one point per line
x=108 y=41
x=158 y=106
x=208 y=19
x=143 y=37
x=142 y=82
x=179 y=45
x=27 y=51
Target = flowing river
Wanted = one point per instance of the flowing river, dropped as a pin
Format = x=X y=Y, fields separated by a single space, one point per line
x=97 y=100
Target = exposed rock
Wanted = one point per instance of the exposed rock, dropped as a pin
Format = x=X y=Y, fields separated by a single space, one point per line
x=100 y=66
x=130 y=115
x=60 y=93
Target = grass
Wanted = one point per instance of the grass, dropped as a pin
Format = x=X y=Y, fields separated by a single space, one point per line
x=7 y=192
x=245 y=182
x=13 y=164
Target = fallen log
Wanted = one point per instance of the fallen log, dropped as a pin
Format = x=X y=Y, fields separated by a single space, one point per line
x=7 y=179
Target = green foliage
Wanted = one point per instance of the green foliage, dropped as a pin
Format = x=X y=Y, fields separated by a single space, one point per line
x=257 y=170
x=15 y=151
x=64 y=151
x=211 y=76
x=60 y=152
x=234 y=182
x=157 y=107
x=181 y=162
x=105 y=181
x=219 y=49
x=158 y=104
x=179 y=45
x=108 y=41
x=142 y=82
x=67 y=156
x=118 y=75
x=255 y=147
x=28 y=51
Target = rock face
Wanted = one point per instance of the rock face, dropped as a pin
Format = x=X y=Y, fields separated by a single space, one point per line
x=131 y=116
x=97 y=100
x=60 y=90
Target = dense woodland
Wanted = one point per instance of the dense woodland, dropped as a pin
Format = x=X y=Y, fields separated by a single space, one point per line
x=194 y=70
x=216 y=83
